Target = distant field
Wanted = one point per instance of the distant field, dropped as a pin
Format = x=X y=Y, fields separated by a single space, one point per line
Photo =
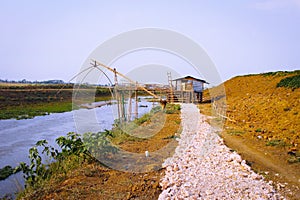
x=16 y=94
x=12 y=84
x=29 y=100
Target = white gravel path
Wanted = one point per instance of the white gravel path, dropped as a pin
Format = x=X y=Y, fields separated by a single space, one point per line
x=204 y=168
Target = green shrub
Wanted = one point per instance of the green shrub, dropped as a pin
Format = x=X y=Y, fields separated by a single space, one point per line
x=6 y=172
x=98 y=143
x=37 y=170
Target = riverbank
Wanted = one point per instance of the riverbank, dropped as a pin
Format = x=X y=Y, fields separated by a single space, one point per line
x=20 y=135
x=91 y=180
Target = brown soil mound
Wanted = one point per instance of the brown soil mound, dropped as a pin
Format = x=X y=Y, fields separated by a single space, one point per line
x=262 y=109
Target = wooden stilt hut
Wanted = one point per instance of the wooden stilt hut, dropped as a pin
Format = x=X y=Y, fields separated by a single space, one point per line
x=187 y=89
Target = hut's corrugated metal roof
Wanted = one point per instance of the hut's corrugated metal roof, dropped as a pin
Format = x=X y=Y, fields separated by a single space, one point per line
x=190 y=78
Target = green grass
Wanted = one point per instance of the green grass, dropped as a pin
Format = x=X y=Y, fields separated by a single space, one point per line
x=292 y=82
x=236 y=132
x=277 y=73
x=28 y=111
x=119 y=135
x=281 y=73
x=172 y=108
x=36 y=86
x=22 y=101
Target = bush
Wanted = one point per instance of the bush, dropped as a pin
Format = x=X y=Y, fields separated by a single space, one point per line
x=37 y=171
x=98 y=144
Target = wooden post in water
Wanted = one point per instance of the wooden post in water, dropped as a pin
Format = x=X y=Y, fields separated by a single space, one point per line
x=122 y=104
x=136 y=101
x=129 y=106
x=117 y=98
x=117 y=95
x=153 y=101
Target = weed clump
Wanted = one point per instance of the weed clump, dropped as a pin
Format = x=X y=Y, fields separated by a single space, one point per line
x=172 y=108
x=72 y=154
x=276 y=143
x=293 y=159
x=237 y=133
x=258 y=130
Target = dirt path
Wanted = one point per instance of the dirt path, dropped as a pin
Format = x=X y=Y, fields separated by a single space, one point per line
x=204 y=168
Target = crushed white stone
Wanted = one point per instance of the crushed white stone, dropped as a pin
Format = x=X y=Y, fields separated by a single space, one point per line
x=203 y=167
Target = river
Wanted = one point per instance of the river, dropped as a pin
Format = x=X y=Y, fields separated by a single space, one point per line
x=17 y=136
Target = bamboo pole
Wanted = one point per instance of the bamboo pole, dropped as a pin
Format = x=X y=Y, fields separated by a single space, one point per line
x=120 y=74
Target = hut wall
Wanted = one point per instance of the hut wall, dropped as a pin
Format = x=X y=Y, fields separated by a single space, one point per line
x=198 y=86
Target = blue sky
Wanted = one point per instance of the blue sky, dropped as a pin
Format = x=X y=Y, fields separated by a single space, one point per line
x=43 y=40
